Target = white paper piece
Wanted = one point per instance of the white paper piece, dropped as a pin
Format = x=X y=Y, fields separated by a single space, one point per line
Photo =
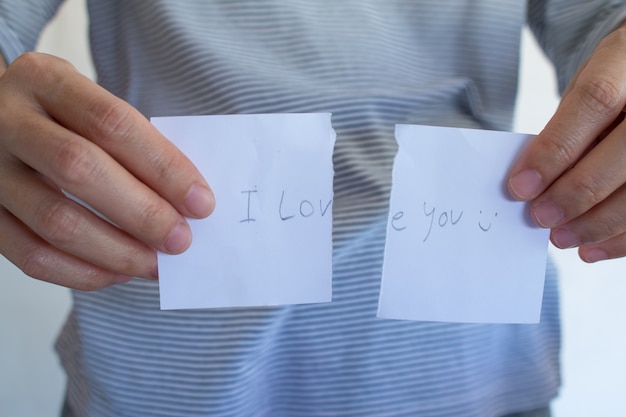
x=458 y=248
x=269 y=240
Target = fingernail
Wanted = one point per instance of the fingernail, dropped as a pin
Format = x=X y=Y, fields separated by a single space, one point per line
x=594 y=255
x=548 y=214
x=179 y=239
x=565 y=238
x=122 y=279
x=526 y=184
x=199 y=201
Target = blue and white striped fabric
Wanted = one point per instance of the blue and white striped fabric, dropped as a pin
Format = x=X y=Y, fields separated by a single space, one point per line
x=372 y=63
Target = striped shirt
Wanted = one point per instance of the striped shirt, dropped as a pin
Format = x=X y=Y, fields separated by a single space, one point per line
x=372 y=64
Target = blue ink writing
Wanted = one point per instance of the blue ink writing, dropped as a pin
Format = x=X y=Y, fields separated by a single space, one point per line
x=280 y=209
x=248 y=219
x=442 y=221
x=488 y=227
x=397 y=217
x=306 y=208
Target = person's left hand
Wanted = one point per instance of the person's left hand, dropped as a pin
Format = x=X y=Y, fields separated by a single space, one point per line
x=574 y=171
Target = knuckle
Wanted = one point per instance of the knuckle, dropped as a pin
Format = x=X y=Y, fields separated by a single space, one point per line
x=601 y=96
x=76 y=163
x=562 y=153
x=600 y=225
x=29 y=62
x=35 y=262
x=131 y=262
x=164 y=164
x=58 y=223
x=39 y=67
x=38 y=262
x=152 y=218
x=606 y=227
x=115 y=122
x=588 y=190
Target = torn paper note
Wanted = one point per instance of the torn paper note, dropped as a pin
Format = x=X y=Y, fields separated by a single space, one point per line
x=458 y=248
x=269 y=240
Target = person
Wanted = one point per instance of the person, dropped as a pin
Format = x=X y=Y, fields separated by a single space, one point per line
x=371 y=64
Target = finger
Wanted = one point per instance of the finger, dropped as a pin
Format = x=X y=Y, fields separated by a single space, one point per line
x=87 y=172
x=604 y=221
x=119 y=129
x=606 y=132
x=595 y=99
x=70 y=227
x=609 y=249
x=598 y=175
x=41 y=260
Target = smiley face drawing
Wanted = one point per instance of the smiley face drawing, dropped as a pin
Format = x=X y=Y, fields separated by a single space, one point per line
x=484 y=224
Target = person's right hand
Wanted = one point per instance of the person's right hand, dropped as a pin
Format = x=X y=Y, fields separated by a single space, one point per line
x=61 y=132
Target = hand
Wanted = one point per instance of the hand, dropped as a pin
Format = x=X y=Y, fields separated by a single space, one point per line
x=59 y=131
x=574 y=172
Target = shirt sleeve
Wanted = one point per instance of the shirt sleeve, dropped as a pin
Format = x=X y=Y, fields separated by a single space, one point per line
x=21 y=23
x=569 y=30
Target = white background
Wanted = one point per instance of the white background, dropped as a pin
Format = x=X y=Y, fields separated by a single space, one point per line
x=593 y=307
